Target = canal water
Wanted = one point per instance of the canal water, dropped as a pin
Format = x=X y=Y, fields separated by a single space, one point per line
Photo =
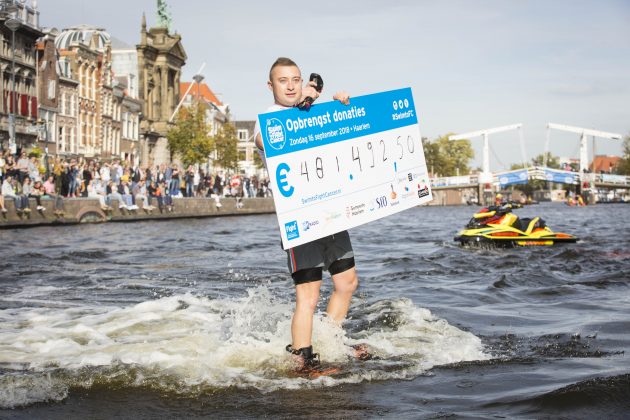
x=189 y=318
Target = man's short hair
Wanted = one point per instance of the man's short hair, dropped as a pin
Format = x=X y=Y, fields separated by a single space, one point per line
x=282 y=61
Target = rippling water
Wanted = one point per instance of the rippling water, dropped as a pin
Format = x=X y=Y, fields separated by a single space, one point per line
x=189 y=318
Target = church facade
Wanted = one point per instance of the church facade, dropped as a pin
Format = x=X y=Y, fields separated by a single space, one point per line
x=161 y=57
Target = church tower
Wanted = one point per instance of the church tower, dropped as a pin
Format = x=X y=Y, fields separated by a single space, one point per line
x=161 y=57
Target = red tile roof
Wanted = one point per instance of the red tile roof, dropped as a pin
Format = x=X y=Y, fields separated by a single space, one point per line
x=204 y=91
x=604 y=163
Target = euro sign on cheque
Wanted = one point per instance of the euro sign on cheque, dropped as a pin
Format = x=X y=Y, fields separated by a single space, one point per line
x=338 y=166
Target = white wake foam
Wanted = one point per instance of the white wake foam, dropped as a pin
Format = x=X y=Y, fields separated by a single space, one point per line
x=185 y=343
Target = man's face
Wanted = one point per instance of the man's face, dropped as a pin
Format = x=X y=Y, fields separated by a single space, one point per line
x=286 y=85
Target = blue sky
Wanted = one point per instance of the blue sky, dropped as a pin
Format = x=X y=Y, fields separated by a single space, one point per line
x=471 y=64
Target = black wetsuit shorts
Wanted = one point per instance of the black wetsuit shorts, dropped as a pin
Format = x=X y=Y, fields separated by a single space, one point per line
x=332 y=253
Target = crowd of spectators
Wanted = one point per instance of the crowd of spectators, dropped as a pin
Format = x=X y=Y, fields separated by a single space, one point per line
x=26 y=176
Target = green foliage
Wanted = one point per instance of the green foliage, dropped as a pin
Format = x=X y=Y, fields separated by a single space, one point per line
x=623 y=167
x=552 y=161
x=431 y=154
x=516 y=166
x=225 y=142
x=448 y=157
x=189 y=139
x=36 y=151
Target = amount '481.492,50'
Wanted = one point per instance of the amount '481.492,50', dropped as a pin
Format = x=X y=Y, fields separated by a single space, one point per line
x=370 y=154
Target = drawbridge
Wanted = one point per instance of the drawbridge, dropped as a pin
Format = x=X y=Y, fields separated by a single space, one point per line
x=487 y=181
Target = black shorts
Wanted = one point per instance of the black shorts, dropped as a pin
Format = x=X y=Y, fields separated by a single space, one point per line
x=308 y=275
x=333 y=253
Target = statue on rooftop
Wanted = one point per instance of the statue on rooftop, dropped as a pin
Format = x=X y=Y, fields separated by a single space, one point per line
x=163 y=16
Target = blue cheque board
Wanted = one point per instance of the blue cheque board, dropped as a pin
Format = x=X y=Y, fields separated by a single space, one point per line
x=338 y=166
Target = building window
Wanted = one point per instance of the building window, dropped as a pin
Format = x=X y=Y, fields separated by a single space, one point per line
x=62 y=104
x=51 y=89
x=243 y=135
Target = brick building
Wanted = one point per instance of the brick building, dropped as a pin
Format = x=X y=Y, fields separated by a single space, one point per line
x=48 y=92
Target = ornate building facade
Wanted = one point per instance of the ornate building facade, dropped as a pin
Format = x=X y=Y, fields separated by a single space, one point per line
x=87 y=51
x=18 y=71
x=161 y=57
x=81 y=93
x=101 y=118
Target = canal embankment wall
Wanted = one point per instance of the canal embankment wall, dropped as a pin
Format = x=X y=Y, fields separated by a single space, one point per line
x=88 y=210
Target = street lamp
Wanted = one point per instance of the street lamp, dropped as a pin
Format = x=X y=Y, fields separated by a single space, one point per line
x=198 y=78
x=13 y=24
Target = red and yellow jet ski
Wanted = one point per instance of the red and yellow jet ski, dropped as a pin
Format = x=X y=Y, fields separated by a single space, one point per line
x=497 y=225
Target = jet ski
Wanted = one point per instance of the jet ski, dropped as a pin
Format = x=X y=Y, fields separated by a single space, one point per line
x=498 y=226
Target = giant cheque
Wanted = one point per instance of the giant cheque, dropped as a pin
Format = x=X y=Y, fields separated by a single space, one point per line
x=338 y=166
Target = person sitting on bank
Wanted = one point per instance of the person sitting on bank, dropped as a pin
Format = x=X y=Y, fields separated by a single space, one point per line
x=111 y=193
x=93 y=191
x=2 y=208
x=139 y=191
x=50 y=191
x=151 y=192
x=160 y=193
x=33 y=191
x=9 y=190
x=124 y=190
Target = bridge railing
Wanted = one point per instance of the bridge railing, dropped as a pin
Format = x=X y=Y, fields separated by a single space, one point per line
x=536 y=172
x=454 y=181
x=621 y=180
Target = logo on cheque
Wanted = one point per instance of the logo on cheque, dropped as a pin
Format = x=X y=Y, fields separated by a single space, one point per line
x=307 y=224
x=275 y=133
x=292 y=230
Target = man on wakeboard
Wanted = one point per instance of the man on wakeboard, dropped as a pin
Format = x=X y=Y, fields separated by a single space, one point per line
x=307 y=262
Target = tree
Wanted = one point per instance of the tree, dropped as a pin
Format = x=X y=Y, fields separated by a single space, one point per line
x=431 y=155
x=552 y=161
x=516 y=166
x=623 y=167
x=448 y=157
x=189 y=139
x=225 y=143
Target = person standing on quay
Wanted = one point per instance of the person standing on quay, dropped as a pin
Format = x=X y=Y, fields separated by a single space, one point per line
x=306 y=262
